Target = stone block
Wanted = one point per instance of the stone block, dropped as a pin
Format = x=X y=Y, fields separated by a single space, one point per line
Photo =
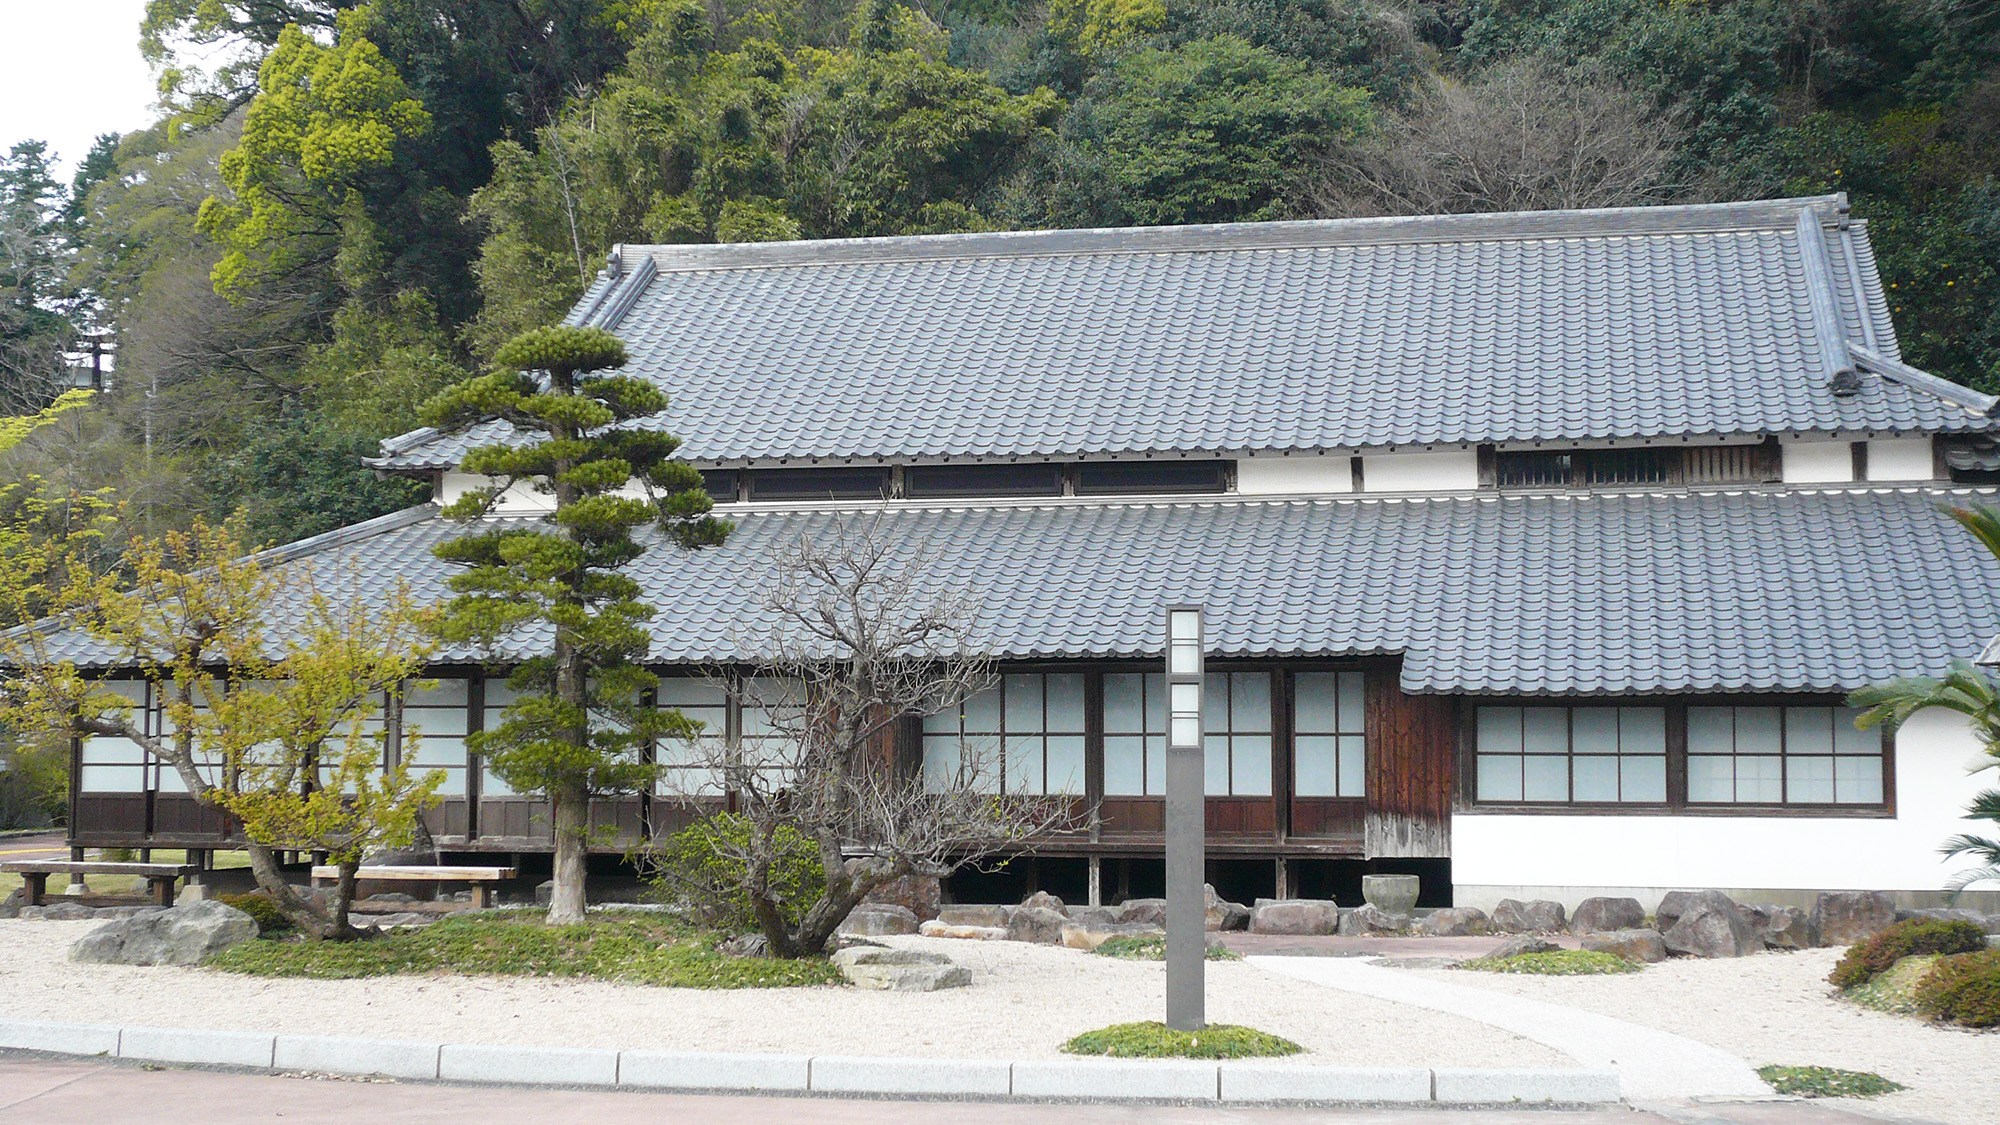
x=900 y=970
x=328 y=1054
x=1787 y=927
x=1633 y=945
x=938 y=927
x=1503 y=1086
x=1036 y=924
x=184 y=935
x=1391 y=894
x=532 y=1066
x=59 y=1038
x=1540 y=916
x=1150 y=911
x=842 y=1074
x=1221 y=914
x=1295 y=916
x=1845 y=917
x=974 y=915
x=1369 y=920
x=1601 y=915
x=1454 y=921
x=705 y=1070
x=1711 y=925
x=1087 y=937
x=1526 y=943
x=918 y=894
x=1669 y=910
x=1263 y=1082
x=1043 y=900
x=878 y=920
x=1092 y=915
x=197 y=1046
x=1114 y=1078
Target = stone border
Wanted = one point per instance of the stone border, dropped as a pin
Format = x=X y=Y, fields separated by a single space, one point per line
x=1106 y=1080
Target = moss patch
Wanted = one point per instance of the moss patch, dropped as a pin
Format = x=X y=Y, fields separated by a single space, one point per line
x=1560 y=963
x=1896 y=990
x=1826 y=1082
x=641 y=949
x=1154 y=1040
x=1147 y=947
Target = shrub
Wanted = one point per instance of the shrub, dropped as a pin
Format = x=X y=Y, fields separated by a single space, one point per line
x=1864 y=960
x=270 y=921
x=1826 y=1082
x=1560 y=963
x=1155 y=1040
x=1964 y=989
x=1153 y=947
x=695 y=869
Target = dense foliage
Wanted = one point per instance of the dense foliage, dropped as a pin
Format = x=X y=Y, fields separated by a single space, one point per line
x=1963 y=989
x=696 y=870
x=346 y=207
x=1865 y=960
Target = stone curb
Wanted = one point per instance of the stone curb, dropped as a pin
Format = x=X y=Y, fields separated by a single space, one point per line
x=1097 y=1079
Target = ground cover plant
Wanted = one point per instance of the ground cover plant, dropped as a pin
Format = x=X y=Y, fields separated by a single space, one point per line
x=1560 y=963
x=1155 y=1040
x=1826 y=1082
x=1153 y=947
x=1964 y=989
x=1895 y=991
x=1865 y=960
x=634 y=948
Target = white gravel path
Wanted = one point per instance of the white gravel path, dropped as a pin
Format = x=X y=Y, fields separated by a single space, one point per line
x=1025 y=1000
x=1776 y=1008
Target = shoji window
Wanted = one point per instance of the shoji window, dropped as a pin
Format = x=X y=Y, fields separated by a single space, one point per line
x=1237 y=748
x=1329 y=744
x=686 y=774
x=1558 y=755
x=1782 y=756
x=1135 y=734
x=434 y=724
x=1023 y=735
x=117 y=765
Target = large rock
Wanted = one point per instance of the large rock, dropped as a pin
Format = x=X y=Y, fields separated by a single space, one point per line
x=1454 y=921
x=1043 y=900
x=1086 y=936
x=938 y=927
x=10 y=907
x=1711 y=925
x=1294 y=916
x=1786 y=927
x=60 y=911
x=1092 y=915
x=1515 y=947
x=918 y=894
x=1391 y=894
x=1368 y=920
x=1988 y=922
x=1633 y=944
x=1149 y=911
x=974 y=915
x=184 y=935
x=1220 y=913
x=900 y=970
x=1600 y=915
x=1541 y=916
x=1669 y=912
x=876 y=919
x=1037 y=924
x=1845 y=917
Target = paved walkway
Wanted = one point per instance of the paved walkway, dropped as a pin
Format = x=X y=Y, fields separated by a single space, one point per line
x=1650 y=1063
x=39 y=1091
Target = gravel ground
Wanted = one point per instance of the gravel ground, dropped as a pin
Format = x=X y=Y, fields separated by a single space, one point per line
x=1025 y=1000
x=1776 y=1008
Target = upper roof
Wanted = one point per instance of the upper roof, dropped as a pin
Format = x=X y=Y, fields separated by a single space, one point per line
x=1596 y=593
x=1579 y=326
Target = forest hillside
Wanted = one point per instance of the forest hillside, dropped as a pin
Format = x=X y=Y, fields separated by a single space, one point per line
x=357 y=206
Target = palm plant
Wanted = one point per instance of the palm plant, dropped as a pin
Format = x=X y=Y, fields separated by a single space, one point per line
x=1967 y=689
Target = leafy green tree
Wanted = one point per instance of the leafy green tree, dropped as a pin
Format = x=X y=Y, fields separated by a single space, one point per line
x=35 y=299
x=298 y=477
x=584 y=721
x=1972 y=692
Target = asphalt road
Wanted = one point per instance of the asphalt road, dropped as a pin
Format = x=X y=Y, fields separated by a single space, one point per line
x=36 y=1090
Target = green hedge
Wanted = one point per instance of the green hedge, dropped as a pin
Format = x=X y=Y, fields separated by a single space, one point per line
x=1865 y=960
x=1964 y=989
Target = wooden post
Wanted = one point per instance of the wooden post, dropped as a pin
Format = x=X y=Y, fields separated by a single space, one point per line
x=34 y=887
x=1096 y=881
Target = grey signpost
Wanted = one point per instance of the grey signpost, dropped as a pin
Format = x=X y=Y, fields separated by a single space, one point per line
x=1186 y=821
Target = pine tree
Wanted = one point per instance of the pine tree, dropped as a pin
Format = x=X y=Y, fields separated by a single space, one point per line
x=584 y=718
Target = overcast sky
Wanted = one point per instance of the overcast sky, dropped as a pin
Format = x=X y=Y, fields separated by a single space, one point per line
x=69 y=70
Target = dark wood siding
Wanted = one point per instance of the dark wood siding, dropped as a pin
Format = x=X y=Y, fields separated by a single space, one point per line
x=1412 y=751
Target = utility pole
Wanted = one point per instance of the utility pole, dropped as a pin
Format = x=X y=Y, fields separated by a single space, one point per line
x=1187 y=828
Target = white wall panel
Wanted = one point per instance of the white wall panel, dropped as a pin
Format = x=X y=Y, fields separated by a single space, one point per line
x=1900 y=459
x=1817 y=462
x=1421 y=472
x=1266 y=475
x=520 y=498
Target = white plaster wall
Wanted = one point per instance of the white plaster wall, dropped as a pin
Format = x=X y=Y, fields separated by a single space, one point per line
x=1817 y=462
x=520 y=498
x=1570 y=858
x=1900 y=459
x=1265 y=475
x=1420 y=472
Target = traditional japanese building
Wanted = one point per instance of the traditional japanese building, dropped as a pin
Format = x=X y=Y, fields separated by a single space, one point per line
x=1538 y=550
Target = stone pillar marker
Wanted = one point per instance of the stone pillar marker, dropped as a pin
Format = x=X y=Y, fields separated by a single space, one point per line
x=1187 y=826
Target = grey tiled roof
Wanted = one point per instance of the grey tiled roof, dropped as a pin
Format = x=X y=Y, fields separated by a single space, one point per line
x=1667 y=592
x=1646 y=323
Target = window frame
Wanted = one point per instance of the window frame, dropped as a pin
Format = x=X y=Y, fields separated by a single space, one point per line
x=1677 y=803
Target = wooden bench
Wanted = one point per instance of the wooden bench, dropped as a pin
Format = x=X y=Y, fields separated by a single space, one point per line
x=481 y=878
x=160 y=877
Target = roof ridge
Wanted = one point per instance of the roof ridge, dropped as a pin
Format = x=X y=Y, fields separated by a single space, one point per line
x=1692 y=218
x=343 y=536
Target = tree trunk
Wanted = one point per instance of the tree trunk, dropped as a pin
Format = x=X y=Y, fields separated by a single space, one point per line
x=343 y=895
x=301 y=911
x=570 y=810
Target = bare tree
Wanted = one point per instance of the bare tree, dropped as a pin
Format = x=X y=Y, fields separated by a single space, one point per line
x=861 y=638
x=1524 y=135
